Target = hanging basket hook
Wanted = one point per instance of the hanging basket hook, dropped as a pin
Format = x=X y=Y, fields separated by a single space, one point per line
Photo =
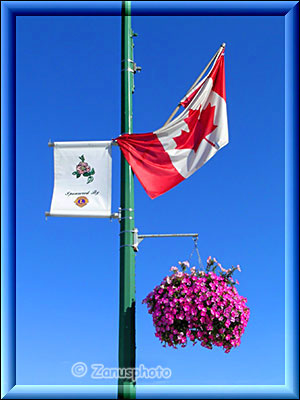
x=195 y=239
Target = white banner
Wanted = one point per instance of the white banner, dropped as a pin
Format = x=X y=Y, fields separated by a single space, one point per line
x=82 y=179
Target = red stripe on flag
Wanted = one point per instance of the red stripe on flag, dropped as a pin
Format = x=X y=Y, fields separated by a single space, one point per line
x=150 y=162
x=218 y=76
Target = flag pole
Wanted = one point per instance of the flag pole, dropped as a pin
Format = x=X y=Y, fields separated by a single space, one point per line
x=196 y=81
x=126 y=385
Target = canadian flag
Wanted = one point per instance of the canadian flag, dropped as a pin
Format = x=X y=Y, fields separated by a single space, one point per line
x=163 y=158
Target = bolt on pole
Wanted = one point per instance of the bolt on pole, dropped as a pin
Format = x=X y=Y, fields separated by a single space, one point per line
x=126 y=386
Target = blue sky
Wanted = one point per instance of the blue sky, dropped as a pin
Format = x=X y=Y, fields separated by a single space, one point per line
x=68 y=88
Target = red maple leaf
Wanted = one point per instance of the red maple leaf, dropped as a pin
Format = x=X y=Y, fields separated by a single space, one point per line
x=200 y=125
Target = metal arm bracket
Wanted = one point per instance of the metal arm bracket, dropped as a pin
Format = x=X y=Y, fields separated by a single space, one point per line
x=138 y=238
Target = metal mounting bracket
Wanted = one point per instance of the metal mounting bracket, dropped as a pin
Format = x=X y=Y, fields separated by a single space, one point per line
x=138 y=238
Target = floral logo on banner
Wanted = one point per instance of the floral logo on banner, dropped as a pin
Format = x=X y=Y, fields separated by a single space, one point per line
x=83 y=169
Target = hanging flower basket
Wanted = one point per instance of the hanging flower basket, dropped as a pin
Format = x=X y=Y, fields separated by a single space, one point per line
x=201 y=305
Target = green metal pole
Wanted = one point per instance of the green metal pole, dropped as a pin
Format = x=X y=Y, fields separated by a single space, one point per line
x=126 y=385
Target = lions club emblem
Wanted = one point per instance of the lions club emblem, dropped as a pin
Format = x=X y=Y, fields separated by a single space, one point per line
x=81 y=201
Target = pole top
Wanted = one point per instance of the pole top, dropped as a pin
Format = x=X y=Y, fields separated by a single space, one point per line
x=126 y=8
x=223 y=45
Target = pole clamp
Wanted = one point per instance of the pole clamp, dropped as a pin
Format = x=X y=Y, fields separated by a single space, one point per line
x=128 y=59
x=135 y=239
x=126 y=216
x=130 y=230
x=128 y=69
x=134 y=68
x=126 y=245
